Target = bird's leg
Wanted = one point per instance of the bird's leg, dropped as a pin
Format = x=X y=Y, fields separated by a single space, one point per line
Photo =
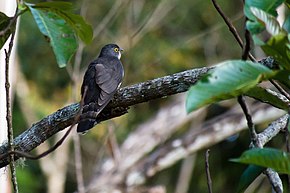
x=91 y=107
x=89 y=116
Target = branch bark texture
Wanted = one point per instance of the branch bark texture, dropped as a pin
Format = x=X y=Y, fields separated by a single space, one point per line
x=124 y=98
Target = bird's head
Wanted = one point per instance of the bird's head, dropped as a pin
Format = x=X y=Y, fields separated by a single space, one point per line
x=112 y=50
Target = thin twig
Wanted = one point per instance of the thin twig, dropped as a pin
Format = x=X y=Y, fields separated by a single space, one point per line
x=241 y=99
x=32 y=157
x=8 y=109
x=250 y=123
x=209 y=182
x=247 y=46
x=280 y=89
x=231 y=27
x=12 y=22
x=287 y=144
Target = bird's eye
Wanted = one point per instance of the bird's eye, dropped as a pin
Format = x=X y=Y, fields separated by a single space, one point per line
x=116 y=49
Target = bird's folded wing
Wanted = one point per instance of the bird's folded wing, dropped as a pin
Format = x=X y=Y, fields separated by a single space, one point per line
x=107 y=81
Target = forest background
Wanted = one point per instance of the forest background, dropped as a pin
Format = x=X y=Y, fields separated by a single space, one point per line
x=159 y=38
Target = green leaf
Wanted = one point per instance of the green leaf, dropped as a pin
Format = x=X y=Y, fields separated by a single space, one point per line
x=60 y=35
x=268 y=6
x=4 y=25
x=279 y=48
x=266 y=157
x=227 y=80
x=64 y=6
x=254 y=27
x=248 y=176
x=63 y=9
x=265 y=96
x=286 y=24
x=283 y=76
x=269 y=21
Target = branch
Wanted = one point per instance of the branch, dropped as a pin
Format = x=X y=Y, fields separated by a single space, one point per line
x=125 y=97
x=140 y=163
x=8 y=107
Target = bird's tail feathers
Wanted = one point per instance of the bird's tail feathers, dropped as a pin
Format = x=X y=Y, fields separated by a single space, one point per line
x=84 y=126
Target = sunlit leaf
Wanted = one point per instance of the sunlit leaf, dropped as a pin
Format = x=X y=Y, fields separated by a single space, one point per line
x=4 y=26
x=266 y=157
x=248 y=176
x=268 y=6
x=265 y=96
x=269 y=21
x=227 y=80
x=60 y=35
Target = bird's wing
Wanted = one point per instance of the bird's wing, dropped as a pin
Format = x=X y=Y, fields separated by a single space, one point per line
x=108 y=79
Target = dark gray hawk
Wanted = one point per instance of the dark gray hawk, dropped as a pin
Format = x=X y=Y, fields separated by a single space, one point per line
x=102 y=79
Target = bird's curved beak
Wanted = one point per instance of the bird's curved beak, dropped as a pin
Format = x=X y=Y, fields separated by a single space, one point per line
x=121 y=49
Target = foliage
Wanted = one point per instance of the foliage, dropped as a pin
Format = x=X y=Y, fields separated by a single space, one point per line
x=233 y=78
x=248 y=176
x=5 y=24
x=266 y=157
x=58 y=25
x=227 y=80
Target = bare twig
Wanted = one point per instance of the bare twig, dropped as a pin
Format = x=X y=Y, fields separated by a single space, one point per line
x=8 y=109
x=250 y=123
x=231 y=27
x=287 y=144
x=12 y=22
x=271 y=131
x=280 y=89
x=32 y=157
x=208 y=178
x=274 y=180
x=247 y=45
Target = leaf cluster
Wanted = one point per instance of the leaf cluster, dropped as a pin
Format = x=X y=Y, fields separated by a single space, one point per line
x=233 y=78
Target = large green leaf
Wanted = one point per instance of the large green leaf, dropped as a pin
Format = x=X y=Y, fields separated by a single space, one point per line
x=63 y=9
x=4 y=25
x=227 y=80
x=60 y=35
x=61 y=28
x=248 y=176
x=266 y=157
x=265 y=96
x=278 y=46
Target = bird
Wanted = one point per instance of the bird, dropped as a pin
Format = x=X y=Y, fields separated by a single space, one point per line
x=102 y=78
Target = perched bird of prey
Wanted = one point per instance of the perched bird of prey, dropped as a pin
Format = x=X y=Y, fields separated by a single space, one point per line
x=102 y=79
